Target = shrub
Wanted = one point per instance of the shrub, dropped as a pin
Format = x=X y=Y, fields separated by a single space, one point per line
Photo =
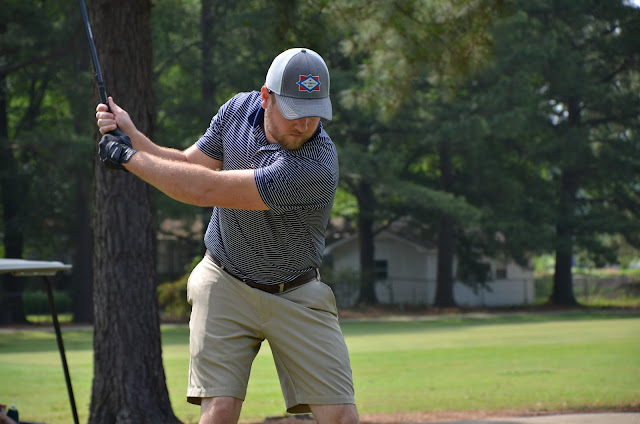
x=172 y=296
x=36 y=303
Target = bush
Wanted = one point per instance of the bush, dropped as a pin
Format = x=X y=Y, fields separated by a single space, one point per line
x=172 y=296
x=36 y=303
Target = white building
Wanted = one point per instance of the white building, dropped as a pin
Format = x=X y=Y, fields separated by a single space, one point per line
x=406 y=275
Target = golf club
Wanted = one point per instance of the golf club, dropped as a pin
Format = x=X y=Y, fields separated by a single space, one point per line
x=96 y=65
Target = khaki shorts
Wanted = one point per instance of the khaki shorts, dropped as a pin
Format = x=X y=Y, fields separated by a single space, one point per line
x=229 y=321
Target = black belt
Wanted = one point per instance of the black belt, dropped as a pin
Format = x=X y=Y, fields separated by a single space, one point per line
x=269 y=288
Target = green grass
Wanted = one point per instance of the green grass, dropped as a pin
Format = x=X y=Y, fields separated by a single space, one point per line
x=534 y=361
x=46 y=318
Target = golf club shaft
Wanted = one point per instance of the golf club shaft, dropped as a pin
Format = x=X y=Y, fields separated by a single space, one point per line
x=96 y=65
x=94 y=56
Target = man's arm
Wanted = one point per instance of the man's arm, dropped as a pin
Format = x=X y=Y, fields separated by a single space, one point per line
x=119 y=118
x=196 y=184
x=4 y=419
x=189 y=176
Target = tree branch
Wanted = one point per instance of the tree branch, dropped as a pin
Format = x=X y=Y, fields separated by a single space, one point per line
x=621 y=67
x=33 y=61
x=59 y=52
x=171 y=59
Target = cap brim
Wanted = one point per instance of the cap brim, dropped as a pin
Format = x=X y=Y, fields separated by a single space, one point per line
x=294 y=108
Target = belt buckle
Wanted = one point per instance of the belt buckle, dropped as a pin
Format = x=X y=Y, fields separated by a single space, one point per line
x=281 y=286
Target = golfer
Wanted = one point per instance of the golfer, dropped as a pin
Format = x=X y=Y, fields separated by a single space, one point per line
x=270 y=171
x=4 y=419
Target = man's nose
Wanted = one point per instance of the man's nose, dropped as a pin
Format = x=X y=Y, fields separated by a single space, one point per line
x=302 y=124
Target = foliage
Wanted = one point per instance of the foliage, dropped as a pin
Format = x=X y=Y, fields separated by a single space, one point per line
x=42 y=84
x=44 y=172
x=344 y=282
x=37 y=303
x=172 y=296
x=532 y=107
x=408 y=44
x=571 y=106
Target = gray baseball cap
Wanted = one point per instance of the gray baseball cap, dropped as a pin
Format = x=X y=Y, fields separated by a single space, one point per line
x=300 y=79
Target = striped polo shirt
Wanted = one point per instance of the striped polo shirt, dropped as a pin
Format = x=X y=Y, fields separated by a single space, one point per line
x=277 y=245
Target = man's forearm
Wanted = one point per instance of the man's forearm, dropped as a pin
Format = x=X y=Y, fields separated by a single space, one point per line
x=142 y=143
x=197 y=185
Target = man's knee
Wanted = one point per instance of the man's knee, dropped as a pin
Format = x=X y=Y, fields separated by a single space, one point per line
x=220 y=410
x=335 y=414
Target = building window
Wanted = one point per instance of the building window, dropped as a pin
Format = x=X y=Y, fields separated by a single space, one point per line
x=501 y=273
x=381 y=269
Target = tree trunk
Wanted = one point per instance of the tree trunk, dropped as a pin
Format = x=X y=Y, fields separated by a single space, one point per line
x=207 y=26
x=444 y=280
x=208 y=89
x=366 y=208
x=562 y=293
x=446 y=236
x=129 y=381
x=11 y=307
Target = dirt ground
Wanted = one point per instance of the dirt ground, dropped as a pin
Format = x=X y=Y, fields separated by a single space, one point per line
x=445 y=416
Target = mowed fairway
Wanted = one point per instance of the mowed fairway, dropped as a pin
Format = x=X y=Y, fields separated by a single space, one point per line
x=533 y=361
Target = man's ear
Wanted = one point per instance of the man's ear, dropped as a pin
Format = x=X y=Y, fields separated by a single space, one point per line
x=264 y=97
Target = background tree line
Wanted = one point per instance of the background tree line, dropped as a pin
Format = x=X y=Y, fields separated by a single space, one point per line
x=496 y=127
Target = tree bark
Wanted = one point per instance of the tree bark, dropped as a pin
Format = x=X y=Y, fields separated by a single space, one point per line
x=562 y=293
x=366 y=208
x=129 y=381
x=446 y=238
x=207 y=47
x=444 y=281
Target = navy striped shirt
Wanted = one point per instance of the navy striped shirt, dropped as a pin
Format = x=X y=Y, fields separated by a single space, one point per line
x=277 y=245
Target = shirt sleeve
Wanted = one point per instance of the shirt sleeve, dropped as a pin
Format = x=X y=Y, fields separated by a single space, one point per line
x=211 y=142
x=297 y=183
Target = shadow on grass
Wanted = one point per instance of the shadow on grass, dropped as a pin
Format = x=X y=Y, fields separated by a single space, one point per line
x=41 y=338
x=429 y=322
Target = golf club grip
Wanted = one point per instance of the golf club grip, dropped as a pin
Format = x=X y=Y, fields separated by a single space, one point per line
x=105 y=100
x=117 y=132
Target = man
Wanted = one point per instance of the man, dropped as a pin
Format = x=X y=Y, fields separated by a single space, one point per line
x=5 y=419
x=270 y=171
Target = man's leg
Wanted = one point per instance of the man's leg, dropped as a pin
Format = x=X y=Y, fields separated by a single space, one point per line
x=335 y=414
x=220 y=410
x=309 y=350
x=224 y=339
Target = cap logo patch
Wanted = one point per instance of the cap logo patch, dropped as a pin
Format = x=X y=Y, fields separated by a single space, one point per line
x=309 y=83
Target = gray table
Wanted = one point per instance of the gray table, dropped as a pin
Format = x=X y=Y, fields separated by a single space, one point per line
x=45 y=269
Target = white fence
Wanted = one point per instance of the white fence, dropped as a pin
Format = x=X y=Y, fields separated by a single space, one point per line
x=422 y=293
x=614 y=286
